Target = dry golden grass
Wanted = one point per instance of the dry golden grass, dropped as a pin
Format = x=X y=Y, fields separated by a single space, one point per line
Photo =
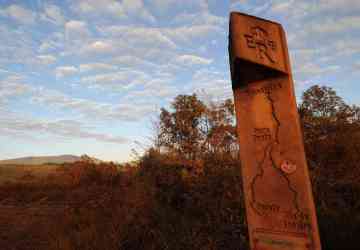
x=74 y=206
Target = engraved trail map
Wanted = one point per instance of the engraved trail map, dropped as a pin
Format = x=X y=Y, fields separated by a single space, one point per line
x=276 y=198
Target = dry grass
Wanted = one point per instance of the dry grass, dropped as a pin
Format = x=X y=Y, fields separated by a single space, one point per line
x=79 y=206
x=25 y=173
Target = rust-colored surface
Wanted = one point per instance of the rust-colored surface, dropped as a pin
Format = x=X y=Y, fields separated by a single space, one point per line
x=279 y=202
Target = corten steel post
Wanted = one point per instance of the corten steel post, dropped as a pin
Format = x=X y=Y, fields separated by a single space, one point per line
x=278 y=197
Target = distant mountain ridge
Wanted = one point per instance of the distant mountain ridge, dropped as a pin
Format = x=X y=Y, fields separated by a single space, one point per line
x=38 y=160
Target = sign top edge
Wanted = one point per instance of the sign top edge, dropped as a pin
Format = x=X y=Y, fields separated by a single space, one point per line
x=233 y=14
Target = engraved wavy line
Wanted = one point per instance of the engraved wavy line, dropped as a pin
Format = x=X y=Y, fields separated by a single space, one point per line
x=258 y=175
x=274 y=116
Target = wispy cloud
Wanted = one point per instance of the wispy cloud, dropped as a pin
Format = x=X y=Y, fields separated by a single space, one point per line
x=46 y=59
x=127 y=9
x=98 y=47
x=119 y=79
x=139 y=36
x=53 y=14
x=76 y=30
x=19 y=14
x=68 y=129
x=64 y=71
x=92 y=110
x=192 y=60
x=91 y=67
x=11 y=87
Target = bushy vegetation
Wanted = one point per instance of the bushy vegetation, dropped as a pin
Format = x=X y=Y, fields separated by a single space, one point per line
x=332 y=143
x=185 y=192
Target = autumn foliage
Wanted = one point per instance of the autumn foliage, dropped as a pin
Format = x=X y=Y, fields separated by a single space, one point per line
x=332 y=142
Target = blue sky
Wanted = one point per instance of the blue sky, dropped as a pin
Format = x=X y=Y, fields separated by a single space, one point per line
x=90 y=76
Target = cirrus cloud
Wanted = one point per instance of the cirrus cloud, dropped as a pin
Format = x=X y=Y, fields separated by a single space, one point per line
x=19 y=14
x=64 y=71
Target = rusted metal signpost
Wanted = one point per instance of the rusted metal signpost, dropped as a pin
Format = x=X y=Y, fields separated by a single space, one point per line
x=279 y=203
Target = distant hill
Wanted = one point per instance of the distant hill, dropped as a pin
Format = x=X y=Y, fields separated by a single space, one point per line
x=38 y=160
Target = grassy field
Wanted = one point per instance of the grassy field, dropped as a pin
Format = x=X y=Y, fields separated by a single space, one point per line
x=26 y=173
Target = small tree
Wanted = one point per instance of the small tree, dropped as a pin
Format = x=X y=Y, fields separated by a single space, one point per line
x=179 y=130
x=194 y=130
x=221 y=131
x=323 y=114
x=322 y=101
